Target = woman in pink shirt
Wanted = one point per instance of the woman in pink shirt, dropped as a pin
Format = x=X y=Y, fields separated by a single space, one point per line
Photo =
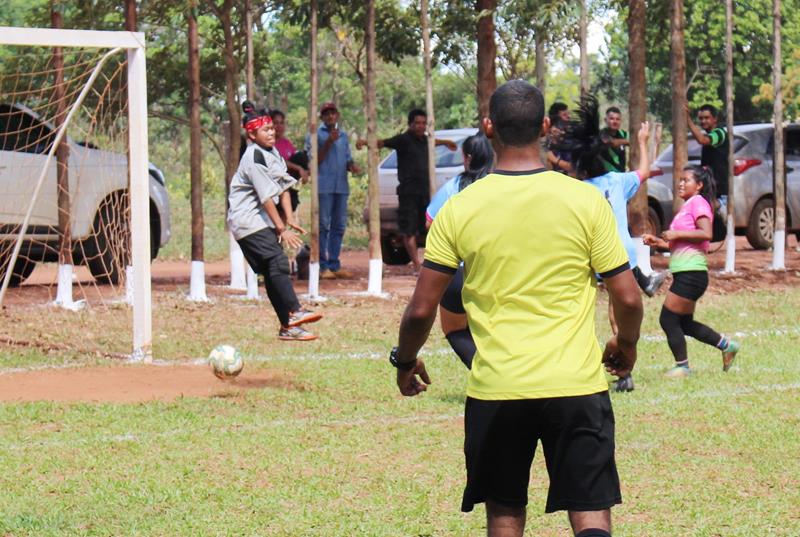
x=287 y=150
x=687 y=239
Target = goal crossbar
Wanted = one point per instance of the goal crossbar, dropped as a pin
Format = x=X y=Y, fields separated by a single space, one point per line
x=134 y=44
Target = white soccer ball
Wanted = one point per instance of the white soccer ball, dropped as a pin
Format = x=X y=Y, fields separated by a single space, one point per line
x=226 y=362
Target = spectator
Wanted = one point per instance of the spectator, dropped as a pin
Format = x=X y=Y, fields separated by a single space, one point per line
x=559 y=158
x=335 y=161
x=287 y=151
x=615 y=139
x=714 y=153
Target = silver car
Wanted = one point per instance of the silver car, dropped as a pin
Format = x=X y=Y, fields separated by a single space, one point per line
x=753 y=183
x=448 y=165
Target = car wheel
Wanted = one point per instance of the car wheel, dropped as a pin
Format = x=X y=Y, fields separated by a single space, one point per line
x=653 y=222
x=22 y=269
x=761 y=225
x=392 y=252
x=108 y=250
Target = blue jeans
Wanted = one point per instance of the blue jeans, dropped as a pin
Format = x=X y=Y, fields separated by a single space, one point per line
x=332 y=223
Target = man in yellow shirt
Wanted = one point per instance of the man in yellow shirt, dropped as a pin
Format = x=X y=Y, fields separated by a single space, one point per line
x=531 y=241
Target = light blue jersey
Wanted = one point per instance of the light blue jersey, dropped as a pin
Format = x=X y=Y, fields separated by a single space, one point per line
x=442 y=195
x=618 y=188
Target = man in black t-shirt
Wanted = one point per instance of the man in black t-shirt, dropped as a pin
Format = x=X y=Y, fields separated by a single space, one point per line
x=615 y=139
x=715 y=147
x=413 y=190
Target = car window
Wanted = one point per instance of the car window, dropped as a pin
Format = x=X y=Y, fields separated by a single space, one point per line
x=792 y=144
x=19 y=131
x=695 y=149
x=444 y=157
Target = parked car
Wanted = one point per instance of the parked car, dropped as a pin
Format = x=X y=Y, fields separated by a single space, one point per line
x=98 y=182
x=448 y=165
x=753 y=183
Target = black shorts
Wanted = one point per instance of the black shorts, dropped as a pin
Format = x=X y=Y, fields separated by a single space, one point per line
x=577 y=435
x=411 y=213
x=451 y=300
x=691 y=284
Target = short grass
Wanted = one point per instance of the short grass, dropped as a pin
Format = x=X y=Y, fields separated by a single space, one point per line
x=340 y=453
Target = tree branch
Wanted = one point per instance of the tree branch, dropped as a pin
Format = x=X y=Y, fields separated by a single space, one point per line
x=183 y=121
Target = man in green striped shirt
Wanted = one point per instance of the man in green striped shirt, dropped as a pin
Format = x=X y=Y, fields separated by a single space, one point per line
x=615 y=139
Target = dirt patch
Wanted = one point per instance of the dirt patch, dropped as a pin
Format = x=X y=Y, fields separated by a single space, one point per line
x=131 y=384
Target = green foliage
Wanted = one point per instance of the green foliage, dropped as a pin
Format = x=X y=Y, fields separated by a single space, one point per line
x=705 y=54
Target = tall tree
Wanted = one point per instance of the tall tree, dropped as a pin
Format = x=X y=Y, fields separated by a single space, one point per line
x=130 y=15
x=637 y=107
x=375 y=261
x=62 y=151
x=426 y=48
x=313 y=109
x=487 y=53
x=584 y=54
x=249 y=66
x=680 y=149
x=197 y=284
x=779 y=237
x=730 y=240
x=541 y=61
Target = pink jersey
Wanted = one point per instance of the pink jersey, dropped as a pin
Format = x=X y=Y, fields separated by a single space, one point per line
x=285 y=148
x=689 y=255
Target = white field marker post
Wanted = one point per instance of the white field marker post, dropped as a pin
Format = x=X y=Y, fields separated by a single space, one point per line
x=238 y=279
x=252 y=284
x=197 y=283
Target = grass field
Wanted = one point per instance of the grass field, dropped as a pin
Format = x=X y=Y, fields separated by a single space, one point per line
x=337 y=452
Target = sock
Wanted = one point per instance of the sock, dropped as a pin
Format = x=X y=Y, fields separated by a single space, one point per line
x=700 y=332
x=684 y=363
x=723 y=343
x=461 y=341
x=671 y=324
x=593 y=532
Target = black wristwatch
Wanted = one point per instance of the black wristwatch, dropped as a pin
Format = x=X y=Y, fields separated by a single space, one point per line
x=403 y=366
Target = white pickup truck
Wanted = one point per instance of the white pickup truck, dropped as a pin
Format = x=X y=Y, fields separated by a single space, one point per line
x=98 y=182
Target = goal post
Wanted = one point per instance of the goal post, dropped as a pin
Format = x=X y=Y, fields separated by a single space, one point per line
x=133 y=43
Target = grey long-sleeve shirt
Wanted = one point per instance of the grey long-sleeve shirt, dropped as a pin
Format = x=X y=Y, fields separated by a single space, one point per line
x=261 y=176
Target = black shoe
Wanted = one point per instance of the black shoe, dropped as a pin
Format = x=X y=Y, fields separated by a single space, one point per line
x=624 y=384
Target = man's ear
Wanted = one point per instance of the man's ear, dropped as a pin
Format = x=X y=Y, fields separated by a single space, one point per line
x=251 y=135
x=488 y=127
x=545 y=127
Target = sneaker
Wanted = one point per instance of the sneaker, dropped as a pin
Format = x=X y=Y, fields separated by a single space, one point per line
x=678 y=372
x=656 y=281
x=624 y=384
x=343 y=274
x=327 y=275
x=295 y=333
x=302 y=317
x=729 y=354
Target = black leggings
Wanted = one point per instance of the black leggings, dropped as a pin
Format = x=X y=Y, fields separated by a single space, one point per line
x=266 y=257
x=678 y=326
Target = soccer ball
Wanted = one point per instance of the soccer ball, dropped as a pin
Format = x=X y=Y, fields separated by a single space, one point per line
x=226 y=362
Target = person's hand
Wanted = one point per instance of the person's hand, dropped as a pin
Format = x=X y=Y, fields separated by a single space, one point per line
x=360 y=144
x=619 y=357
x=334 y=135
x=355 y=169
x=295 y=226
x=303 y=175
x=644 y=132
x=451 y=145
x=288 y=238
x=669 y=235
x=649 y=239
x=408 y=382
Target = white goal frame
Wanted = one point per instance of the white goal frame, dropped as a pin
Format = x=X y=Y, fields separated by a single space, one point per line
x=134 y=44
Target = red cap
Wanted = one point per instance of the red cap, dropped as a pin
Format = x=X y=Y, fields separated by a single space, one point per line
x=327 y=106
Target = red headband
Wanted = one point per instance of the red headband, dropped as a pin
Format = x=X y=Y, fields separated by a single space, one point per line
x=257 y=122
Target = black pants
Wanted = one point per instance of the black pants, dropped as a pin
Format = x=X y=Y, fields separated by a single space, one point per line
x=266 y=257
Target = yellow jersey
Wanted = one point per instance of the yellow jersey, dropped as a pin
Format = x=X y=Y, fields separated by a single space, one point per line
x=531 y=243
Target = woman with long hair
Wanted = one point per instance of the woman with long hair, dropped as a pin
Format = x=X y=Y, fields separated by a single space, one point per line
x=687 y=240
x=478 y=162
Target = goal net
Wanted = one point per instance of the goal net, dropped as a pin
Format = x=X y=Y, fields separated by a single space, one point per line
x=79 y=203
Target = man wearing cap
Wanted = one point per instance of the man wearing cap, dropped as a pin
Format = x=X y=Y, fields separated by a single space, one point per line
x=335 y=161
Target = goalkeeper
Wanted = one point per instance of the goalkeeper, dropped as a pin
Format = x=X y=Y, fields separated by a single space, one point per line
x=258 y=189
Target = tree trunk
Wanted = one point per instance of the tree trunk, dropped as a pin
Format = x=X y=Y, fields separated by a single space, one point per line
x=582 y=31
x=313 y=283
x=130 y=15
x=248 y=29
x=680 y=151
x=487 y=52
x=541 y=61
x=779 y=237
x=195 y=134
x=231 y=102
x=730 y=252
x=426 y=46
x=62 y=151
x=375 y=262
x=637 y=108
